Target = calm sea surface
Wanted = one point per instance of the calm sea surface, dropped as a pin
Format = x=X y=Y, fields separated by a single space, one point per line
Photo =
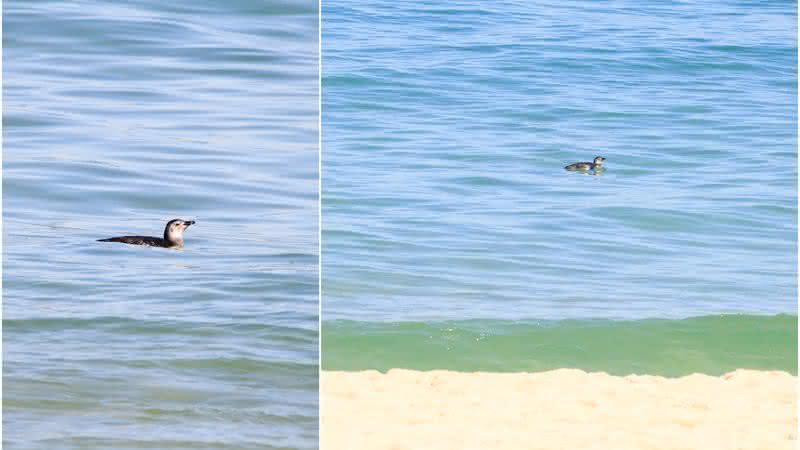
x=445 y=132
x=119 y=116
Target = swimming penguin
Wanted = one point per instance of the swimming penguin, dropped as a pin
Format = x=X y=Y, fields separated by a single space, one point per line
x=173 y=236
x=596 y=165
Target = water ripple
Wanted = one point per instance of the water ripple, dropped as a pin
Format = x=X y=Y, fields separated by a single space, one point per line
x=447 y=128
x=116 y=119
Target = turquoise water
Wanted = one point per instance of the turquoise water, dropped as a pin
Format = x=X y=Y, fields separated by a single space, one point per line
x=710 y=344
x=118 y=117
x=445 y=133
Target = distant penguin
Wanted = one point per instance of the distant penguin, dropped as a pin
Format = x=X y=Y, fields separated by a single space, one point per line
x=584 y=166
x=173 y=236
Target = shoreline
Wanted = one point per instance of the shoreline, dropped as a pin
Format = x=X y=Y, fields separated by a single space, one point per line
x=712 y=345
x=562 y=408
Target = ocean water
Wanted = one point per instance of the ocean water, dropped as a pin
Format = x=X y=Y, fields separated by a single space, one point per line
x=117 y=117
x=446 y=208
x=709 y=344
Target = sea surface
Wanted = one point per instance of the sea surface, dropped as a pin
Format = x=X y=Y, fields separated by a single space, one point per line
x=118 y=116
x=452 y=237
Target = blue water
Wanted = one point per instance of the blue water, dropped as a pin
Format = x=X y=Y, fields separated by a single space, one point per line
x=446 y=129
x=118 y=117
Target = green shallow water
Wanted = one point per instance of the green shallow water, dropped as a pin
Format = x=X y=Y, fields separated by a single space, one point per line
x=709 y=344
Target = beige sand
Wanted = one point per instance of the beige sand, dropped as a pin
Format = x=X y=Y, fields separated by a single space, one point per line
x=561 y=409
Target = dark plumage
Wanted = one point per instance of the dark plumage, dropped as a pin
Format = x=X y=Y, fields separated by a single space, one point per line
x=597 y=164
x=139 y=240
x=173 y=236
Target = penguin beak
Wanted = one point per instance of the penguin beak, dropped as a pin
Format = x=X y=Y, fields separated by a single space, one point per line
x=188 y=222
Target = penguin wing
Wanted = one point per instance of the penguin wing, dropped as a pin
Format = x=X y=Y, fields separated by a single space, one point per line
x=137 y=240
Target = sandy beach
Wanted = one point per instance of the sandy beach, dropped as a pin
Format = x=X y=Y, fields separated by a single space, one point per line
x=560 y=409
